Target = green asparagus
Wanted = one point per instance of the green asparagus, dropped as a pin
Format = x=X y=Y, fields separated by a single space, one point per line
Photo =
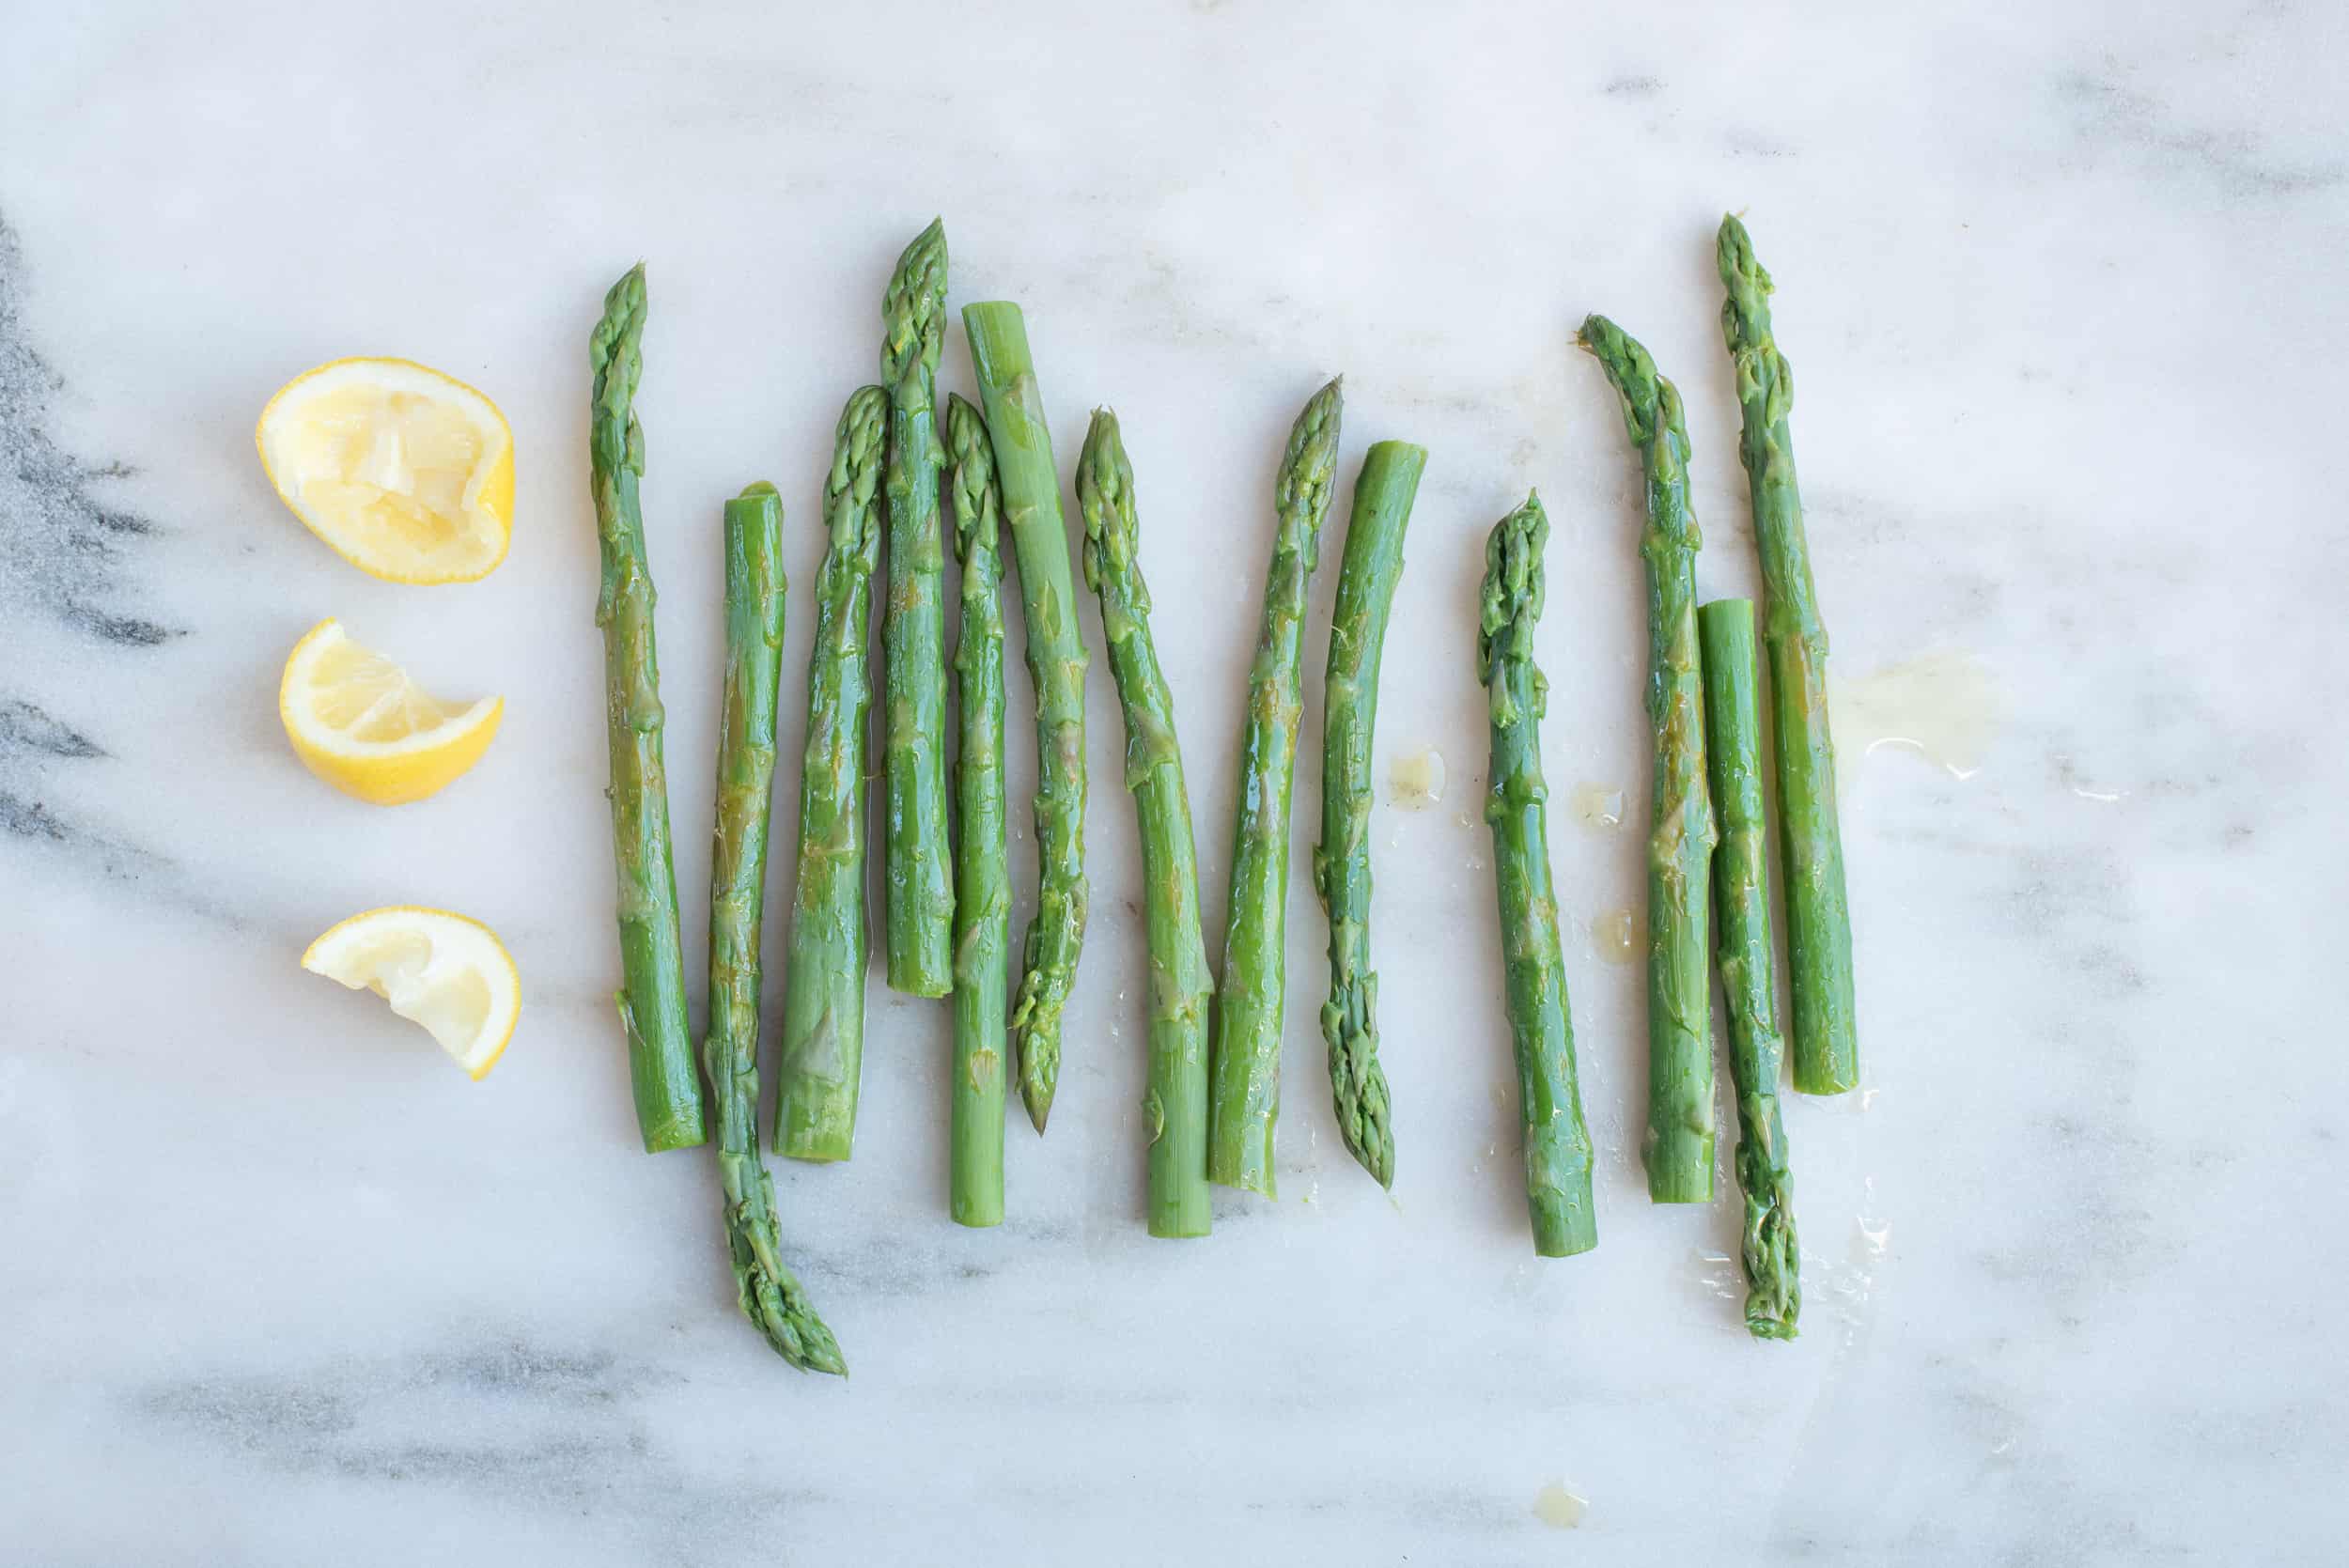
x=668 y=1092
x=981 y=872
x=769 y=1294
x=1246 y=1060
x=1056 y=663
x=1818 y=923
x=1366 y=578
x=1181 y=994
x=1557 y=1144
x=1741 y=899
x=823 y=1008
x=917 y=868
x=1679 y=1146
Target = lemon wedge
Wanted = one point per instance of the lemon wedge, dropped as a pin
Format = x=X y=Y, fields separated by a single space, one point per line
x=444 y=971
x=408 y=473
x=360 y=723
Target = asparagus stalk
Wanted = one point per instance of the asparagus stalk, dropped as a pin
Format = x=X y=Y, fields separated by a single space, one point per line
x=1557 y=1144
x=668 y=1092
x=981 y=872
x=1181 y=993
x=917 y=868
x=823 y=1009
x=1366 y=577
x=1741 y=899
x=1057 y=663
x=770 y=1294
x=1248 y=1015
x=1818 y=923
x=1679 y=1146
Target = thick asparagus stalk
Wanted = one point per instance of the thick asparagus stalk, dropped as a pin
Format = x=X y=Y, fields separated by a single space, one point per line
x=1818 y=923
x=1679 y=1146
x=917 y=868
x=1057 y=663
x=1245 y=1060
x=1557 y=1144
x=823 y=1008
x=756 y=587
x=1366 y=577
x=668 y=1092
x=1181 y=993
x=1741 y=901
x=982 y=869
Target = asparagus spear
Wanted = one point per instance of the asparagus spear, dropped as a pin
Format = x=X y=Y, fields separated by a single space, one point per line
x=1557 y=1144
x=770 y=1296
x=982 y=874
x=1819 y=924
x=668 y=1092
x=1358 y=629
x=1741 y=898
x=823 y=1008
x=1056 y=663
x=1679 y=1146
x=916 y=865
x=1181 y=993
x=1247 y=1015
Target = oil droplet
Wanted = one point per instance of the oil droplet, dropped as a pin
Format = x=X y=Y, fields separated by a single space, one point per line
x=1415 y=782
x=1557 y=1508
x=1616 y=935
x=1943 y=705
x=1599 y=806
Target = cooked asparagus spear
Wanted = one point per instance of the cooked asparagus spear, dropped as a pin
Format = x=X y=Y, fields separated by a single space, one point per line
x=917 y=868
x=668 y=1092
x=1181 y=993
x=1741 y=901
x=770 y=1294
x=823 y=1008
x=1557 y=1144
x=1358 y=629
x=1057 y=663
x=981 y=872
x=1819 y=924
x=1245 y=1060
x=1679 y=1146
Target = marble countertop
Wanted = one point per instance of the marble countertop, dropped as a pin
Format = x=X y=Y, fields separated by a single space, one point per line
x=2061 y=288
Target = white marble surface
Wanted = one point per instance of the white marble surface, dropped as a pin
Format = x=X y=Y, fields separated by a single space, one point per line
x=2061 y=286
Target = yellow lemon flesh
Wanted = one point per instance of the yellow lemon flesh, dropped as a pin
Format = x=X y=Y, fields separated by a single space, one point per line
x=444 y=971
x=360 y=723
x=408 y=473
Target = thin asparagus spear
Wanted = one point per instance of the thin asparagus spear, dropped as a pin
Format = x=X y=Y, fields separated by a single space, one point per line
x=917 y=867
x=770 y=1294
x=668 y=1092
x=1818 y=923
x=1057 y=663
x=1181 y=992
x=1741 y=901
x=1248 y=1013
x=1679 y=1146
x=1358 y=630
x=982 y=870
x=1557 y=1144
x=823 y=1007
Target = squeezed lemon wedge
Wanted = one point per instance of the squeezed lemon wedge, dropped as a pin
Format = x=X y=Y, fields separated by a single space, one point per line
x=408 y=473
x=358 y=721
x=446 y=972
